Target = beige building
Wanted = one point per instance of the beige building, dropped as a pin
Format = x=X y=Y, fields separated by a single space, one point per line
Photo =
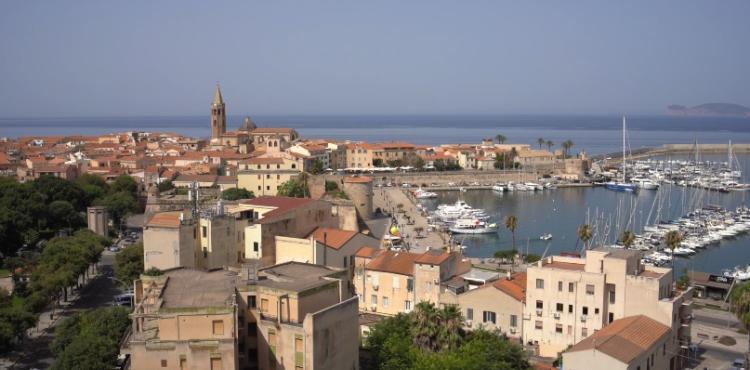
x=630 y=343
x=325 y=246
x=358 y=155
x=300 y=316
x=280 y=216
x=498 y=305
x=264 y=175
x=170 y=239
x=274 y=137
x=184 y=319
x=389 y=282
x=98 y=220
x=568 y=299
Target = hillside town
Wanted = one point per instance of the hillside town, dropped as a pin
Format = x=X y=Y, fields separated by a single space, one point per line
x=261 y=249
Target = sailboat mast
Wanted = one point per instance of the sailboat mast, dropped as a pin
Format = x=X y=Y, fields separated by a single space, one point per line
x=624 y=167
x=729 y=156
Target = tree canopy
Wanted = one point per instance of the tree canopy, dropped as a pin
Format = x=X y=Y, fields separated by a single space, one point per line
x=432 y=338
x=295 y=188
x=90 y=340
x=236 y=194
x=129 y=263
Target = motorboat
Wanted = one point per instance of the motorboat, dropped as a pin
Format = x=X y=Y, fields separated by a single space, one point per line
x=646 y=184
x=472 y=226
x=499 y=188
x=546 y=237
x=424 y=194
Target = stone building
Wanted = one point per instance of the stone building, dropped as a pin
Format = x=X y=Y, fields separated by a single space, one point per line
x=218 y=116
x=98 y=220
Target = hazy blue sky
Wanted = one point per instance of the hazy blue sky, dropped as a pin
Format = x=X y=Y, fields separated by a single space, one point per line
x=95 y=58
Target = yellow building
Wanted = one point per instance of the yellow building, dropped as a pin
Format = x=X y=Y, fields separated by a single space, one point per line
x=497 y=305
x=184 y=319
x=264 y=175
x=170 y=239
x=300 y=316
x=568 y=298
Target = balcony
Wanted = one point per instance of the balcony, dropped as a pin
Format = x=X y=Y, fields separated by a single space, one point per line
x=539 y=312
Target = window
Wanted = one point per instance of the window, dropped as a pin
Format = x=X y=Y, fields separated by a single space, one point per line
x=410 y=285
x=539 y=305
x=584 y=332
x=204 y=231
x=539 y=284
x=612 y=296
x=559 y=307
x=345 y=261
x=268 y=187
x=585 y=310
x=407 y=306
x=374 y=299
x=469 y=314
x=263 y=305
x=183 y=364
x=255 y=246
x=163 y=363
x=559 y=286
x=538 y=324
x=513 y=321
x=217 y=327
x=488 y=316
x=596 y=311
x=294 y=166
x=570 y=308
x=558 y=328
x=571 y=287
x=589 y=289
x=252 y=328
x=396 y=282
x=611 y=317
x=570 y=330
x=385 y=301
x=205 y=252
x=299 y=352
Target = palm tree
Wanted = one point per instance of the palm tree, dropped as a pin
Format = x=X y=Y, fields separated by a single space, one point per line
x=584 y=232
x=541 y=142
x=550 y=144
x=672 y=239
x=511 y=222
x=627 y=238
x=739 y=301
x=567 y=144
x=501 y=138
x=451 y=330
x=426 y=326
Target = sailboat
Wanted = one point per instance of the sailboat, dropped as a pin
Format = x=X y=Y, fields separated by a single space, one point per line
x=622 y=185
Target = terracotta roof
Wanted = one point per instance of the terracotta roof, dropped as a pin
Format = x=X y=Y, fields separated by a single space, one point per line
x=625 y=339
x=357 y=179
x=165 y=219
x=273 y=130
x=432 y=257
x=197 y=178
x=367 y=252
x=264 y=160
x=282 y=205
x=393 y=262
x=516 y=287
x=334 y=238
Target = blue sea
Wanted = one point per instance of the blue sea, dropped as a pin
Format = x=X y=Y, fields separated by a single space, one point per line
x=595 y=134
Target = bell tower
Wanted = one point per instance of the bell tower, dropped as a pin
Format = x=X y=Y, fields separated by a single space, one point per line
x=218 y=115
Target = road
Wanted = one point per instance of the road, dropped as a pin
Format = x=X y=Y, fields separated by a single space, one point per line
x=99 y=292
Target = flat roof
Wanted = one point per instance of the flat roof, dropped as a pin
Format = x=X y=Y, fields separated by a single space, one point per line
x=565 y=266
x=620 y=253
x=296 y=276
x=188 y=288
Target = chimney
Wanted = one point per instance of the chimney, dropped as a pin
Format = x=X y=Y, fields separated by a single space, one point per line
x=508 y=276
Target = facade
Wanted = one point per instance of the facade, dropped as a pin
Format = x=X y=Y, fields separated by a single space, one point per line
x=218 y=116
x=325 y=246
x=498 y=305
x=98 y=220
x=358 y=155
x=568 y=299
x=264 y=175
x=359 y=190
x=274 y=137
x=630 y=343
x=170 y=240
x=184 y=319
x=300 y=316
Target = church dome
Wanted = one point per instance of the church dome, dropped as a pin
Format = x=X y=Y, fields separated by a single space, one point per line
x=248 y=125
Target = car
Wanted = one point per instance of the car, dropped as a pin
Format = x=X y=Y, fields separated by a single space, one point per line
x=125 y=299
x=739 y=363
x=114 y=248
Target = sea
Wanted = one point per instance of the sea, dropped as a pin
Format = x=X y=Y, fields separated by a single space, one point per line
x=558 y=212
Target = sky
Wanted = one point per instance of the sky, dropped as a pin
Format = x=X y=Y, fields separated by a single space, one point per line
x=90 y=58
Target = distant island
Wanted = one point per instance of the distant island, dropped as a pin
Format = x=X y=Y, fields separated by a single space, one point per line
x=710 y=109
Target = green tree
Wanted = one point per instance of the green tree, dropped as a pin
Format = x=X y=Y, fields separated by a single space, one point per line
x=627 y=238
x=584 y=233
x=125 y=183
x=237 y=194
x=54 y=188
x=91 y=342
x=672 y=239
x=93 y=186
x=62 y=214
x=295 y=188
x=165 y=185
x=129 y=264
x=118 y=204
x=316 y=167
x=15 y=319
x=377 y=162
x=541 y=142
x=566 y=145
x=739 y=300
x=501 y=139
x=331 y=185
x=549 y=144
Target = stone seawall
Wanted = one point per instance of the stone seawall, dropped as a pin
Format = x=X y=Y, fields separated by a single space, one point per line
x=443 y=178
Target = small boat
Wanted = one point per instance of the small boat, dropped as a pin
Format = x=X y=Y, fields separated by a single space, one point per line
x=472 y=226
x=546 y=237
x=499 y=188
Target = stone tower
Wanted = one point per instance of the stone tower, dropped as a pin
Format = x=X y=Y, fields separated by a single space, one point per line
x=218 y=116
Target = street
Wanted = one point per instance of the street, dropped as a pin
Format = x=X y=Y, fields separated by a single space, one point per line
x=708 y=325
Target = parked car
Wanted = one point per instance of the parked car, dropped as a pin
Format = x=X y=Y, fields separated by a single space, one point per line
x=125 y=299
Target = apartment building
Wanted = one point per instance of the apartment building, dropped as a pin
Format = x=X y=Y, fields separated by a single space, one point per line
x=184 y=319
x=264 y=175
x=299 y=316
x=312 y=152
x=324 y=246
x=497 y=305
x=390 y=151
x=170 y=239
x=569 y=299
x=389 y=282
x=280 y=216
x=630 y=343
